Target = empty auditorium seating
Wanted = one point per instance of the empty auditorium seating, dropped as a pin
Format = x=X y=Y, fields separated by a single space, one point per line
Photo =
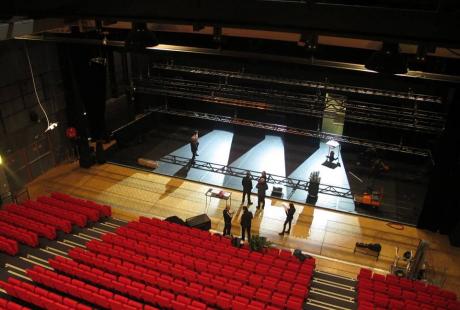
x=10 y=305
x=19 y=234
x=39 y=216
x=21 y=221
x=37 y=296
x=73 y=217
x=8 y=246
x=391 y=292
x=103 y=209
x=92 y=214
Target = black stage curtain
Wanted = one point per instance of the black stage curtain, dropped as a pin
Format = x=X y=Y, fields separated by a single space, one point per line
x=85 y=82
x=441 y=210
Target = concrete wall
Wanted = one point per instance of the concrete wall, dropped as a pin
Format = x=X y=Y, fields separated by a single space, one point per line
x=26 y=149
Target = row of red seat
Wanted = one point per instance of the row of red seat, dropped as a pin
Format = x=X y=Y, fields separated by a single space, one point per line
x=396 y=292
x=81 y=290
x=92 y=214
x=404 y=283
x=104 y=210
x=39 y=216
x=155 y=294
x=137 y=231
x=40 y=228
x=74 y=217
x=179 y=285
x=197 y=237
x=373 y=291
x=19 y=234
x=193 y=260
x=298 y=286
x=11 y=305
x=38 y=296
x=8 y=246
x=385 y=301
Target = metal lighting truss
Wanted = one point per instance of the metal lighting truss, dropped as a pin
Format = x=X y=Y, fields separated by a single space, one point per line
x=271 y=178
x=309 y=84
x=294 y=102
x=295 y=131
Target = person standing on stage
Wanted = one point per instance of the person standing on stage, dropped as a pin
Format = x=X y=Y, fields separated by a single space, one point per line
x=194 y=145
x=246 y=220
x=247 y=187
x=228 y=221
x=289 y=216
x=261 y=188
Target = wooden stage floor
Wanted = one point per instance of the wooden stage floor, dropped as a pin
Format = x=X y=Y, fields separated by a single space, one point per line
x=329 y=236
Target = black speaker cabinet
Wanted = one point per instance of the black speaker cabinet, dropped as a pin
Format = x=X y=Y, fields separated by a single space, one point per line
x=277 y=191
x=176 y=220
x=454 y=235
x=100 y=153
x=201 y=221
x=86 y=160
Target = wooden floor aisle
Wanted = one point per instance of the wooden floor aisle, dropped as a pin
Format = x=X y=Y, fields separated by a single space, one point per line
x=329 y=236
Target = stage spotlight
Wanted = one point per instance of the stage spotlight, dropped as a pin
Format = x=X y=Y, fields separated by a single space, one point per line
x=140 y=38
x=388 y=60
x=1 y=160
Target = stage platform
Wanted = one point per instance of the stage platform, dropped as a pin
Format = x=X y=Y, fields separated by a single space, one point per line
x=281 y=155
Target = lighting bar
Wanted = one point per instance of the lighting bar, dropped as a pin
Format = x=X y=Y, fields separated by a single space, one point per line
x=303 y=83
x=295 y=131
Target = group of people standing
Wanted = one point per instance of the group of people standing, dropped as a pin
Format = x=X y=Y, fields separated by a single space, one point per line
x=261 y=189
x=246 y=217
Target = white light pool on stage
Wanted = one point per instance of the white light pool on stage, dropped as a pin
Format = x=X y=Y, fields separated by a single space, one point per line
x=268 y=155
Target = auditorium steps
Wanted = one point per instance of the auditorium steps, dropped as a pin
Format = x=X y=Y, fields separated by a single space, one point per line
x=329 y=291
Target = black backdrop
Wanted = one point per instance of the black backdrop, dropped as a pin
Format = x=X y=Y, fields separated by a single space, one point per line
x=85 y=83
x=441 y=211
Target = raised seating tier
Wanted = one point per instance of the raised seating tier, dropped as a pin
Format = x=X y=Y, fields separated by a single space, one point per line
x=42 y=217
x=19 y=234
x=74 y=217
x=8 y=246
x=11 y=305
x=92 y=214
x=41 y=229
x=376 y=291
x=38 y=296
x=104 y=210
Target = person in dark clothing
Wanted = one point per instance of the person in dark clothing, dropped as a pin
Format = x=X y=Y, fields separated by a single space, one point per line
x=194 y=145
x=261 y=188
x=246 y=220
x=331 y=157
x=247 y=187
x=289 y=216
x=228 y=221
